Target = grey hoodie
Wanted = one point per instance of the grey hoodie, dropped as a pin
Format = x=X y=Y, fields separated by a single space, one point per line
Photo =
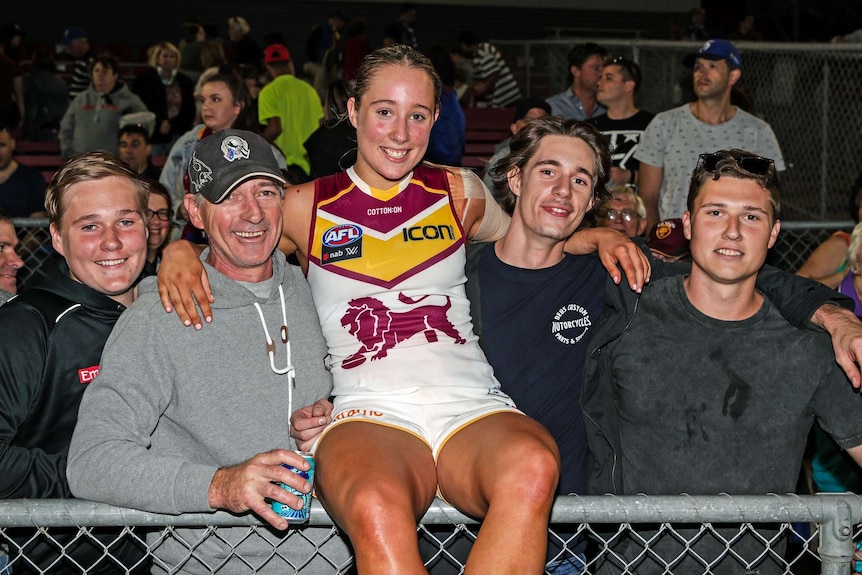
x=172 y=404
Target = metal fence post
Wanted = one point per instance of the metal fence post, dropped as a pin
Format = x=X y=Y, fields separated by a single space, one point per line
x=836 y=534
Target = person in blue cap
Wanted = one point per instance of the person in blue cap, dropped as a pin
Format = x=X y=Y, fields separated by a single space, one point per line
x=674 y=139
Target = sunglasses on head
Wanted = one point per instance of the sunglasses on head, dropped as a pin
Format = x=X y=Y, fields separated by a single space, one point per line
x=757 y=165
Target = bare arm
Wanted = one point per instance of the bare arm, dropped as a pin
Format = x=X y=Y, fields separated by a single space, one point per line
x=272 y=130
x=183 y=283
x=856 y=454
x=243 y=487
x=824 y=262
x=846 y=332
x=649 y=178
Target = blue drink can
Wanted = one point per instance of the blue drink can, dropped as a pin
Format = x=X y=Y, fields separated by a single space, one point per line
x=289 y=513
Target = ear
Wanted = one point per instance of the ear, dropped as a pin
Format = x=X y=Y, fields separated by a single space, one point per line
x=514 y=177
x=773 y=236
x=686 y=225
x=57 y=239
x=351 y=110
x=575 y=71
x=195 y=216
x=642 y=227
x=734 y=76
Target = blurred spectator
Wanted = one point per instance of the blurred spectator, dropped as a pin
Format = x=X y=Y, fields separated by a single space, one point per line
x=493 y=83
x=93 y=117
x=322 y=51
x=675 y=138
x=828 y=263
x=401 y=30
x=746 y=31
x=241 y=47
x=356 y=47
x=10 y=261
x=12 y=41
x=134 y=144
x=667 y=241
x=695 y=29
x=253 y=79
x=449 y=133
x=213 y=61
x=46 y=97
x=190 y=46
x=159 y=220
x=624 y=211
x=585 y=67
x=623 y=123
x=332 y=147
x=76 y=60
x=224 y=105
x=169 y=94
x=526 y=109
x=11 y=90
x=289 y=108
x=22 y=188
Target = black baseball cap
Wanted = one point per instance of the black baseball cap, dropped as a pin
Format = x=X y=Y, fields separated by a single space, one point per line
x=223 y=160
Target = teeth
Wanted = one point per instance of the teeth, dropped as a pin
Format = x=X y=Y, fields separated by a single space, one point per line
x=249 y=234
x=397 y=154
x=110 y=262
x=725 y=252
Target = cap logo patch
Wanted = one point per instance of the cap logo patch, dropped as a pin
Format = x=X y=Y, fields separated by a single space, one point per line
x=234 y=148
x=204 y=174
x=663 y=230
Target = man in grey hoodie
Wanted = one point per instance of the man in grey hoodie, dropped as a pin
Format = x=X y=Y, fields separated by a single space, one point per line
x=183 y=421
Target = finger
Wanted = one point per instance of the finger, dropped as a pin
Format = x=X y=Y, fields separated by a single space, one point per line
x=176 y=297
x=850 y=367
x=164 y=296
x=190 y=296
x=610 y=264
x=266 y=513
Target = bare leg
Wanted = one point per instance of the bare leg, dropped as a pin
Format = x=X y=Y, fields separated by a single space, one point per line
x=503 y=468
x=376 y=482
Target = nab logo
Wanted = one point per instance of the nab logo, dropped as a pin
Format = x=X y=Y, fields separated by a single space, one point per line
x=88 y=374
x=342 y=235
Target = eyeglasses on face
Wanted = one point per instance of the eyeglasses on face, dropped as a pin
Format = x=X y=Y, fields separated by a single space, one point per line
x=164 y=215
x=756 y=165
x=613 y=215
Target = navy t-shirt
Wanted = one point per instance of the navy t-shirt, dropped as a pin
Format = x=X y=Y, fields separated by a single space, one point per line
x=536 y=325
x=23 y=193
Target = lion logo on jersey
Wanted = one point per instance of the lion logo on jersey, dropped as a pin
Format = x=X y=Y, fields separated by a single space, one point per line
x=379 y=329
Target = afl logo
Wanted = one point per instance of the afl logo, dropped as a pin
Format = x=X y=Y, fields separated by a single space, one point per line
x=340 y=236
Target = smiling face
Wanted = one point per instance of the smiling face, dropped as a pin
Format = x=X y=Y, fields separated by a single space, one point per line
x=218 y=107
x=243 y=230
x=393 y=124
x=730 y=228
x=10 y=262
x=554 y=190
x=103 y=236
x=157 y=227
x=168 y=59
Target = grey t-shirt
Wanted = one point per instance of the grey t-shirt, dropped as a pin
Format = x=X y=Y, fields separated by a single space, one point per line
x=674 y=139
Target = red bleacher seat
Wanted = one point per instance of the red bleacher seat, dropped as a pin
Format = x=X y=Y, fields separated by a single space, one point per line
x=53 y=161
x=27 y=147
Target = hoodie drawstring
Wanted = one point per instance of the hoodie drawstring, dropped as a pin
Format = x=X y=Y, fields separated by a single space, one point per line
x=270 y=351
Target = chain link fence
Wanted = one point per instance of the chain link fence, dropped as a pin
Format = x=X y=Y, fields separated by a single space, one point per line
x=795 y=243
x=801 y=534
x=809 y=94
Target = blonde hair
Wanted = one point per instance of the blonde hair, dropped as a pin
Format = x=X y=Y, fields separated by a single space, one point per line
x=240 y=22
x=853 y=249
x=86 y=168
x=156 y=50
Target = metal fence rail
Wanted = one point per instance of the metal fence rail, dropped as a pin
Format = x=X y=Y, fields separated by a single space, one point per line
x=795 y=533
x=809 y=94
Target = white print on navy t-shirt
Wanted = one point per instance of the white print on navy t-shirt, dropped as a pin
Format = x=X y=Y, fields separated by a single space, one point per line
x=571 y=323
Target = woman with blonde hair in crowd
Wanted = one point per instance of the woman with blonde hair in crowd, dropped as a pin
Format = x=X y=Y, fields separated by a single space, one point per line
x=168 y=93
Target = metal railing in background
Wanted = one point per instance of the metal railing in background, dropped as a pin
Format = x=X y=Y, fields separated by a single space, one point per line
x=801 y=534
x=809 y=94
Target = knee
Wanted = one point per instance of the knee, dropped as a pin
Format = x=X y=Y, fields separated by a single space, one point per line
x=536 y=471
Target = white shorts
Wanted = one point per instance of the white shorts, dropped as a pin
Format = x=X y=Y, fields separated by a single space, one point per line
x=433 y=414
